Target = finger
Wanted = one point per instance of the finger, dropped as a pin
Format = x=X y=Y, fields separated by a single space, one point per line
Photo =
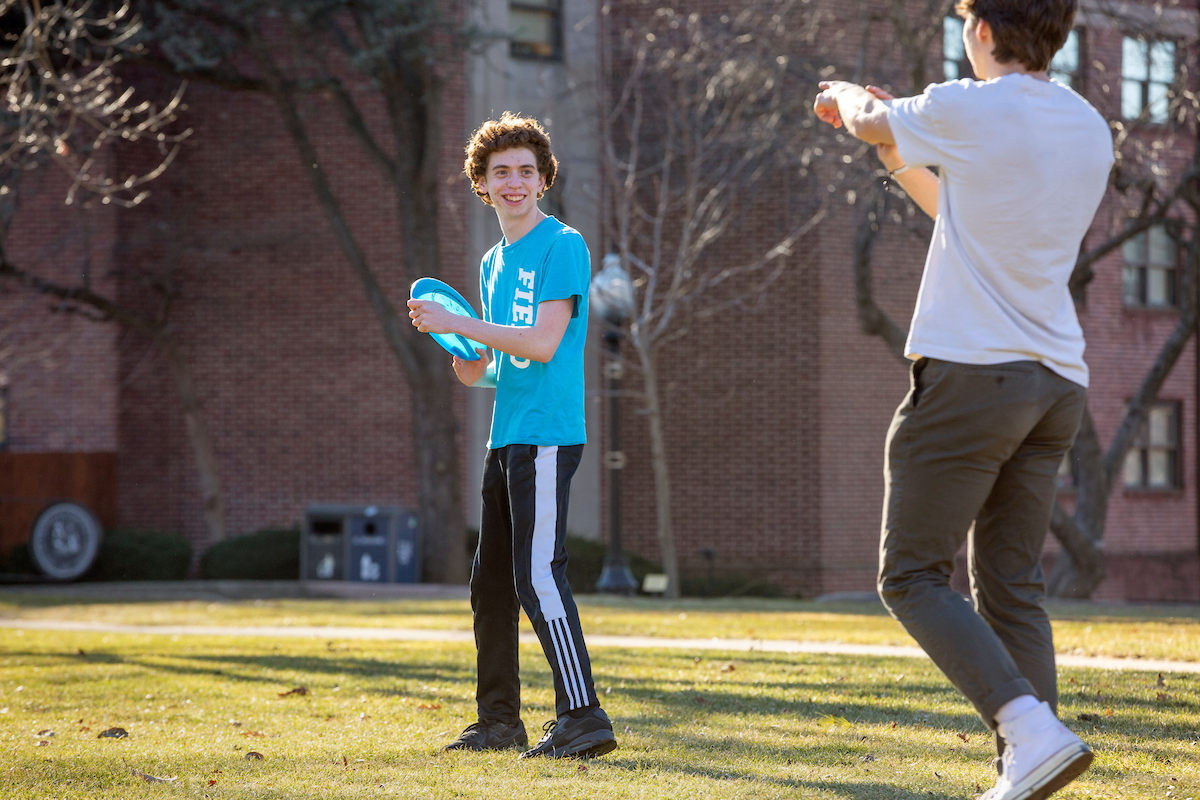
x=481 y=350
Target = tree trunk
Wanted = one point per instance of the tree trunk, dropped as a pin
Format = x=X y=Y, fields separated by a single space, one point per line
x=435 y=431
x=198 y=437
x=435 y=439
x=658 y=460
x=1080 y=568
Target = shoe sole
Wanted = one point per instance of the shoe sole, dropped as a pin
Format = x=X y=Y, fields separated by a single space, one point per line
x=1056 y=772
x=509 y=746
x=591 y=745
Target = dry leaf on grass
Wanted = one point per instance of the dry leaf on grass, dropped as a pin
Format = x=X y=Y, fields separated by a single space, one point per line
x=582 y=768
x=255 y=734
x=829 y=720
x=153 y=778
x=963 y=736
x=1161 y=682
x=1089 y=717
x=43 y=743
x=701 y=699
x=254 y=755
x=113 y=733
x=299 y=691
x=429 y=706
x=1162 y=697
x=730 y=667
x=46 y=732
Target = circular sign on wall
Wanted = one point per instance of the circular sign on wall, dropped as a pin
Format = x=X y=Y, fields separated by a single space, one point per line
x=65 y=540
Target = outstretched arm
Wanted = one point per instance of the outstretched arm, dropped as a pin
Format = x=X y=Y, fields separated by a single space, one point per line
x=537 y=342
x=846 y=102
x=865 y=117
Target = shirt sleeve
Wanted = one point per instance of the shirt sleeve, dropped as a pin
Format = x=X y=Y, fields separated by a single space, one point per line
x=568 y=268
x=924 y=126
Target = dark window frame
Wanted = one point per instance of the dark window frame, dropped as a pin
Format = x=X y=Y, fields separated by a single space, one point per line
x=1143 y=268
x=523 y=51
x=963 y=64
x=1076 y=77
x=1142 y=448
x=1144 y=105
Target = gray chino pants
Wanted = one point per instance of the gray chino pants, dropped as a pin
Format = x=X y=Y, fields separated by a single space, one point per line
x=982 y=445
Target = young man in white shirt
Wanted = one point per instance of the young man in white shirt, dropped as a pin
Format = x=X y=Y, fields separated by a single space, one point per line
x=998 y=377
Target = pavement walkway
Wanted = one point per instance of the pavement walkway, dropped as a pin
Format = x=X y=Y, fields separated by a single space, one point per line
x=594 y=641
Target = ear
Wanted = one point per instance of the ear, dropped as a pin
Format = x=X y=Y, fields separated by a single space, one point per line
x=983 y=32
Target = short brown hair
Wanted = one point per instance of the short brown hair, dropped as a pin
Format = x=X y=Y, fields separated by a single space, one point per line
x=1027 y=31
x=508 y=133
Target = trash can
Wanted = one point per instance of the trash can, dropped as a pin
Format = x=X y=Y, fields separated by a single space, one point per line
x=373 y=544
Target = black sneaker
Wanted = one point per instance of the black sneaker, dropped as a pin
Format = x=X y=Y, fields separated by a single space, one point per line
x=566 y=737
x=494 y=735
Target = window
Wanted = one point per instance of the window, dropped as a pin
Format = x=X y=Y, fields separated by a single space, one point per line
x=1153 y=461
x=1064 y=67
x=1147 y=72
x=1150 y=274
x=536 y=29
x=955 y=64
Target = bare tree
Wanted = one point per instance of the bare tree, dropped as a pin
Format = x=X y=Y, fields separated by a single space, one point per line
x=367 y=60
x=700 y=118
x=66 y=104
x=1146 y=191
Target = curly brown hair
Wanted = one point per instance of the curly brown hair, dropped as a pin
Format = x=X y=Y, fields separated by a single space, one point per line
x=508 y=133
x=1026 y=31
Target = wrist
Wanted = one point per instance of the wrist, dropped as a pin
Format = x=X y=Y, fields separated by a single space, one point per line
x=898 y=171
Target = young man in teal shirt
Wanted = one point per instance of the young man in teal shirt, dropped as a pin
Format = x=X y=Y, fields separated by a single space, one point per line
x=534 y=289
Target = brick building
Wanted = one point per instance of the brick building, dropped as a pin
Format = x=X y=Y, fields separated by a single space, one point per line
x=776 y=452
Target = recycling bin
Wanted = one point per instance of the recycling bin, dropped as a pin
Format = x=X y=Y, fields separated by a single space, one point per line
x=371 y=544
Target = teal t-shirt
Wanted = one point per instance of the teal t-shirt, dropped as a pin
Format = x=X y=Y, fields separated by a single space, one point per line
x=540 y=404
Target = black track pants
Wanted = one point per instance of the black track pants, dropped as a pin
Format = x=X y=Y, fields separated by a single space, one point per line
x=522 y=563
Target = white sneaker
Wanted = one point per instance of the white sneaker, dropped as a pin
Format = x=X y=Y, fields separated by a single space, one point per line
x=1040 y=757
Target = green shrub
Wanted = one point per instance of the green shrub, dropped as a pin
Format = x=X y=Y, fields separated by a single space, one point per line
x=728 y=585
x=19 y=562
x=585 y=561
x=130 y=555
x=268 y=555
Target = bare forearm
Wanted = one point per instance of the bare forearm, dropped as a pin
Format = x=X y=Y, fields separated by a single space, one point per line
x=537 y=343
x=864 y=115
x=922 y=186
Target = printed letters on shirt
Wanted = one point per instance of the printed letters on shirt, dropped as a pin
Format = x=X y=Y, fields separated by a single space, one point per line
x=522 y=308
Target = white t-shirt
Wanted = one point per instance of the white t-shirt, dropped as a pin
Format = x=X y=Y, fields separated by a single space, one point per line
x=1023 y=165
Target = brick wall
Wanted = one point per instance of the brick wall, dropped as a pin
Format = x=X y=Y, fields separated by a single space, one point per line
x=304 y=400
x=60 y=368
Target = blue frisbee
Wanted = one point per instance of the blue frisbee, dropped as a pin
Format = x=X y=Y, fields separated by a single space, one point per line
x=445 y=294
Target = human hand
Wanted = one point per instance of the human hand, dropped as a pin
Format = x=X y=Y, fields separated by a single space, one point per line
x=469 y=372
x=430 y=317
x=825 y=105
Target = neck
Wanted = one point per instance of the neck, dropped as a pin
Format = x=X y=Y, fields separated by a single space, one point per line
x=994 y=69
x=514 y=229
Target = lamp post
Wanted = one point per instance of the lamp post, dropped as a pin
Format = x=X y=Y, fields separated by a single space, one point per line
x=611 y=296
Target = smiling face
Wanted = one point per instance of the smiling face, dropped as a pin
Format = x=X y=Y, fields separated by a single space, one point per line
x=513 y=183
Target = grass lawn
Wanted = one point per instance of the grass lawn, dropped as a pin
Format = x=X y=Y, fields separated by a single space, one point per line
x=1166 y=632
x=746 y=725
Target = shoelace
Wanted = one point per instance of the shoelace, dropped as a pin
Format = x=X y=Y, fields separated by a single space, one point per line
x=548 y=730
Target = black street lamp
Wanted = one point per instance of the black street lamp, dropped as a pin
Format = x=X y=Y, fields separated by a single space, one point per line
x=611 y=296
